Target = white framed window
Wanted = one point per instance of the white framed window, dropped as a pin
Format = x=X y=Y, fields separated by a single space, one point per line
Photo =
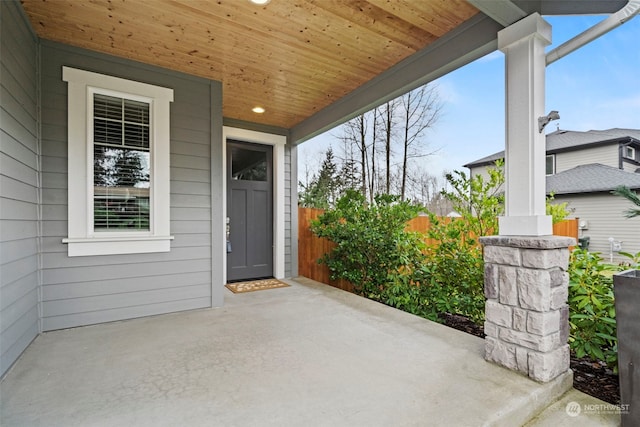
x=550 y=164
x=118 y=155
x=629 y=152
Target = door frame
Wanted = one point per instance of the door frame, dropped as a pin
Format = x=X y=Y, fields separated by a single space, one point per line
x=246 y=240
x=277 y=142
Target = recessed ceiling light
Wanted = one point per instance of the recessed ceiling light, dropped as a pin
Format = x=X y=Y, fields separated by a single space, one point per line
x=260 y=2
x=258 y=110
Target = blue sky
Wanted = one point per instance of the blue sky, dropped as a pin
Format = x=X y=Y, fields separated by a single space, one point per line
x=595 y=87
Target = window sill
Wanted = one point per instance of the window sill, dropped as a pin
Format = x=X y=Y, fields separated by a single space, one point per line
x=117 y=245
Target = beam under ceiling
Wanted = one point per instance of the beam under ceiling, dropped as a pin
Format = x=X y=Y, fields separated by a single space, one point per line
x=505 y=12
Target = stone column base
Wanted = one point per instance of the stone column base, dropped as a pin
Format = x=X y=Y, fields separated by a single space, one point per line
x=526 y=313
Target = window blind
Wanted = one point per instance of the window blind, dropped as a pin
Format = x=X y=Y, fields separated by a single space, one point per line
x=121 y=164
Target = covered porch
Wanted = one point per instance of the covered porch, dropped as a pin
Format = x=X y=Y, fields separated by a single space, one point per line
x=302 y=355
x=308 y=354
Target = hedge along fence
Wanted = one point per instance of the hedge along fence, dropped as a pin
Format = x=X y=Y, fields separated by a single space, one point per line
x=311 y=248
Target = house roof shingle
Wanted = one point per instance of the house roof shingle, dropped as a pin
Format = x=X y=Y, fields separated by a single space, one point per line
x=590 y=179
x=566 y=140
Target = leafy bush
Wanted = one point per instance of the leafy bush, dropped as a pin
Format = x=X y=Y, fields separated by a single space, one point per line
x=456 y=269
x=558 y=211
x=373 y=250
x=478 y=199
x=592 y=313
x=455 y=262
x=386 y=263
x=633 y=263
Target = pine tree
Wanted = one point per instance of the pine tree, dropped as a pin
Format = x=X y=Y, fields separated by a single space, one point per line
x=324 y=188
x=349 y=176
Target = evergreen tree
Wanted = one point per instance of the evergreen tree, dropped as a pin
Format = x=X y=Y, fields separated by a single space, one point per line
x=349 y=177
x=325 y=187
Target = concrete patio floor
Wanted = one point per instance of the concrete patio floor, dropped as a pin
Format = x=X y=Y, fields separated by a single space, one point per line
x=306 y=355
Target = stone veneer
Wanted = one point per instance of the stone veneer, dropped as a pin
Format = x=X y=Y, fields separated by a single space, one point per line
x=526 y=314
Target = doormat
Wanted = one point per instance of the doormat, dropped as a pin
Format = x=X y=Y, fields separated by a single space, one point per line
x=255 y=285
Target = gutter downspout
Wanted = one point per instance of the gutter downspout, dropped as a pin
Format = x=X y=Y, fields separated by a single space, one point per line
x=614 y=20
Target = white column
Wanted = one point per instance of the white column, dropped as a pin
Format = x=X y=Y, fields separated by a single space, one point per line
x=523 y=44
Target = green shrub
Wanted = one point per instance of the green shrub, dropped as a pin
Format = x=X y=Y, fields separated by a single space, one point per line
x=592 y=313
x=373 y=250
x=478 y=199
x=455 y=263
x=633 y=263
x=456 y=270
x=557 y=211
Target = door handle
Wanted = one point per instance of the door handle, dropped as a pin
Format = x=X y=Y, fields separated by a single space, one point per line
x=229 y=235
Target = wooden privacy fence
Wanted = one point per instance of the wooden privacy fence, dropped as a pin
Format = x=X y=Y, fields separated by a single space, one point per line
x=311 y=248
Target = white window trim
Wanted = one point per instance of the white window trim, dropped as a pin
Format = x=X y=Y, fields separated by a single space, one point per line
x=278 y=142
x=633 y=152
x=81 y=240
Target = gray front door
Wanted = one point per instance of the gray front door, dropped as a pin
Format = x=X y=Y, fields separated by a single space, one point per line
x=250 y=211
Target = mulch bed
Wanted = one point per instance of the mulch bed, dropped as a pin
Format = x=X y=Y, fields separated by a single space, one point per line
x=592 y=378
x=595 y=379
x=463 y=324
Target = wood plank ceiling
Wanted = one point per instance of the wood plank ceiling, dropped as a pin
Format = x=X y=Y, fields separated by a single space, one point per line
x=292 y=57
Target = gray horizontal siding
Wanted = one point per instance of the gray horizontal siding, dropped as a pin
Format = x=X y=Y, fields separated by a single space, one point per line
x=64 y=291
x=90 y=304
x=14 y=250
x=288 y=268
x=86 y=290
x=14 y=189
x=190 y=254
x=18 y=229
x=190 y=175
x=126 y=312
x=20 y=85
x=604 y=154
x=604 y=213
x=189 y=162
x=17 y=210
x=18 y=171
x=294 y=211
x=18 y=185
x=630 y=167
x=16 y=141
x=17 y=289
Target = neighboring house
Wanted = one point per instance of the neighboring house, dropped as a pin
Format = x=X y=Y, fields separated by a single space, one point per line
x=582 y=169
